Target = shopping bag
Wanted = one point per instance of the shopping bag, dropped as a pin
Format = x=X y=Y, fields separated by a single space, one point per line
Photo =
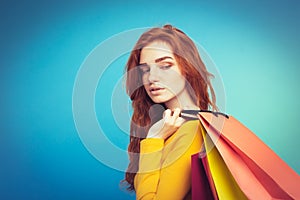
x=225 y=185
x=243 y=175
x=201 y=186
x=205 y=180
x=211 y=179
x=258 y=171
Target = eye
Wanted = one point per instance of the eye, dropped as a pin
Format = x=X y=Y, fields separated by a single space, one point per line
x=165 y=66
x=144 y=69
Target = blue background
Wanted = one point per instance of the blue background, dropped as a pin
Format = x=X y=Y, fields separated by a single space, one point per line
x=255 y=44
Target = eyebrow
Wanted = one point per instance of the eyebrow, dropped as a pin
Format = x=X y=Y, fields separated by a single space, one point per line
x=158 y=60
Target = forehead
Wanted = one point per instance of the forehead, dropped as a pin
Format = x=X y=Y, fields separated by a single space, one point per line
x=155 y=50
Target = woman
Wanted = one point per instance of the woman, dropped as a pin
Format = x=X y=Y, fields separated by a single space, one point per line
x=165 y=69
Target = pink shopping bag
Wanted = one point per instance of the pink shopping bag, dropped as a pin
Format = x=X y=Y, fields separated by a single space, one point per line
x=259 y=172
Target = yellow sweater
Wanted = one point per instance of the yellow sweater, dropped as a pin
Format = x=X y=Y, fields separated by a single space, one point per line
x=165 y=166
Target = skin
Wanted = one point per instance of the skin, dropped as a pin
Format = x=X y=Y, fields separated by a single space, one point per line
x=165 y=84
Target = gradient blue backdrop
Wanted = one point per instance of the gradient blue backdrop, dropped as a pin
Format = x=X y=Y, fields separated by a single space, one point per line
x=255 y=44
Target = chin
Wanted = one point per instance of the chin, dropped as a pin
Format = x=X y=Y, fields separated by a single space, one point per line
x=158 y=101
x=161 y=100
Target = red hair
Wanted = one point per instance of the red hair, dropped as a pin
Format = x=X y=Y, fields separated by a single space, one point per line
x=192 y=68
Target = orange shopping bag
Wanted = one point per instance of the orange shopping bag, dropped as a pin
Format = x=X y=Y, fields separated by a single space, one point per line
x=258 y=171
x=211 y=178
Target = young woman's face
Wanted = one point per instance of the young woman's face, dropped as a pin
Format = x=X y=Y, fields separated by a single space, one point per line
x=161 y=75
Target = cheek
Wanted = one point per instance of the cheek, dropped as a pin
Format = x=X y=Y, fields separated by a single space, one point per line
x=177 y=80
x=180 y=84
x=145 y=80
x=177 y=84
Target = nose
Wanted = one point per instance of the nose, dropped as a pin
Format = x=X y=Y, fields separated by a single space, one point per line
x=153 y=74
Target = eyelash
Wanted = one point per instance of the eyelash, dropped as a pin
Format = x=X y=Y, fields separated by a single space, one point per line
x=163 y=67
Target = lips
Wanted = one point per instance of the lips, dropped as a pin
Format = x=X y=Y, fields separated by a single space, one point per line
x=156 y=90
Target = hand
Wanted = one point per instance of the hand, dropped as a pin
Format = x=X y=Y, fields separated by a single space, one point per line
x=167 y=126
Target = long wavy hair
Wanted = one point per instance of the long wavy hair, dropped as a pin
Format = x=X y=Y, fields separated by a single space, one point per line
x=191 y=67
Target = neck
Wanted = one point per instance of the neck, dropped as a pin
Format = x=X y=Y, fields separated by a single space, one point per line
x=182 y=101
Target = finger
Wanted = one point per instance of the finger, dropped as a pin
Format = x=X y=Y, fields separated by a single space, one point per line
x=176 y=112
x=168 y=117
x=167 y=113
x=175 y=115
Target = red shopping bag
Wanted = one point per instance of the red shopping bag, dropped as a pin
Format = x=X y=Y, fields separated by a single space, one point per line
x=222 y=184
x=258 y=171
x=202 y=187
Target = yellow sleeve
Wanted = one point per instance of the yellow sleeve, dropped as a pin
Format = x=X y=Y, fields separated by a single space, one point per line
x=165 y=167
